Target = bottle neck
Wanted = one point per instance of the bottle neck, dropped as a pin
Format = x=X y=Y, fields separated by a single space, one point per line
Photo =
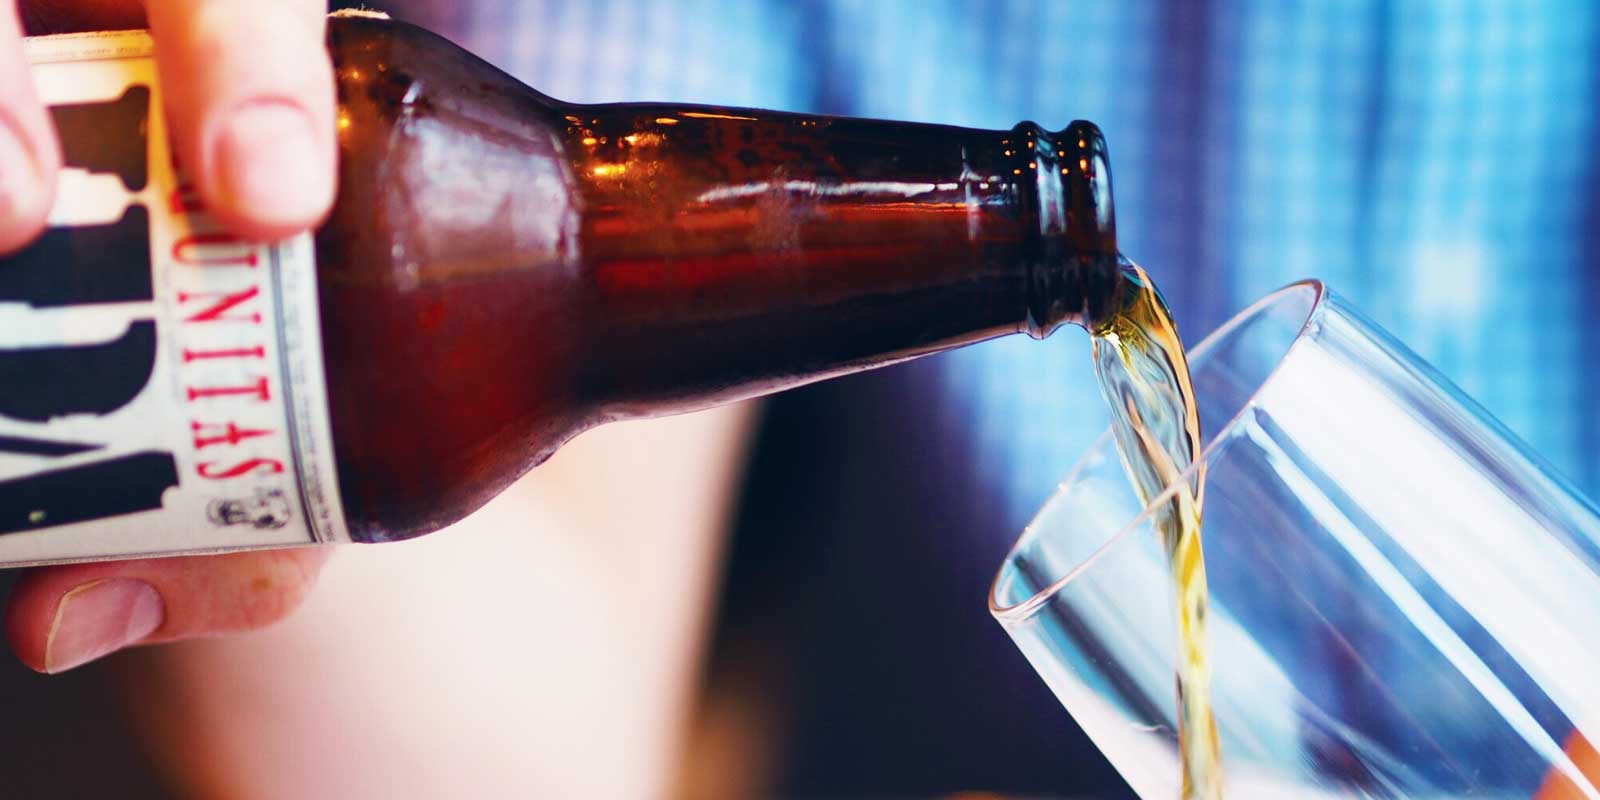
x=731 y=253
x=1072 y=257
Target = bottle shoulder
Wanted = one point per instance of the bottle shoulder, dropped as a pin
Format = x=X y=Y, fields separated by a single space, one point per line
x=447 y=164
x=447 y=275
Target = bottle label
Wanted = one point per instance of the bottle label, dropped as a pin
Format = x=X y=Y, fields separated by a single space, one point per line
x=161 y=380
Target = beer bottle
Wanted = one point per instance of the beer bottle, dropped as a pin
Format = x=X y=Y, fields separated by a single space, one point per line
x=500 y=272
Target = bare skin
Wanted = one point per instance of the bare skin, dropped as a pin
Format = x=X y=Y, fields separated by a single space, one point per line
x=250 y=101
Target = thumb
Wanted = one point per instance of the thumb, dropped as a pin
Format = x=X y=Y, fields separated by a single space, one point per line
x=61 y=617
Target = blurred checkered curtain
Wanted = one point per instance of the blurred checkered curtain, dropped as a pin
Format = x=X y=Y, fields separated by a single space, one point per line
x=1433 y=162
x=729 y=52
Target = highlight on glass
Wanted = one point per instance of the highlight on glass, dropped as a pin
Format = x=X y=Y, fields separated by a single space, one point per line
x=1404 y=599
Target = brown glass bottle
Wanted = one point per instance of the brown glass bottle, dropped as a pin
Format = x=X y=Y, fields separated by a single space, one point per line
x=502 y=270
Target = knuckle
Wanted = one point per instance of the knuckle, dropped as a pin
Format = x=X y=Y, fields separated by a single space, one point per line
x=271 y=587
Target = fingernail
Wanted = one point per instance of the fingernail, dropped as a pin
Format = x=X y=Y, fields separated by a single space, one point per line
x=100 y=618
x=20 y=183
x=270 y=165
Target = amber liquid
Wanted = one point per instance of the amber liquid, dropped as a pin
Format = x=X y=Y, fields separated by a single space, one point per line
x=1145 y=378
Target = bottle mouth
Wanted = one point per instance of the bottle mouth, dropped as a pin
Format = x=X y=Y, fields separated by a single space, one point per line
x=1074 y=257
x=1081 y=211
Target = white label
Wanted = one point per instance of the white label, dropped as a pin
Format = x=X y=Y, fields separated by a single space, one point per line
x=161 y=381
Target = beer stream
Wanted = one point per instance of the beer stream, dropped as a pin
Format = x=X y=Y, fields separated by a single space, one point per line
x=1145 y=378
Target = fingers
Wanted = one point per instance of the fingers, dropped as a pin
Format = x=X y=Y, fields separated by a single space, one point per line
x=62 y=617
x=29 y=157
x=249 y=92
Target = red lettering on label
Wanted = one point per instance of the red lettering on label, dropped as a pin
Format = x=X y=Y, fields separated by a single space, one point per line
x=259 y=351
x=230 y=434
x=210 y=470
x=214 y=249
x=218 y=311
x=258 y=389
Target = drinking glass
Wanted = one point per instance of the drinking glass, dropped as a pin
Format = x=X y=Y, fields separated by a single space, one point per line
x=1404 y=599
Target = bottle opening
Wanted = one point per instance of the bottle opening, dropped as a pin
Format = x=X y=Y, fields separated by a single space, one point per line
x=1075 y=258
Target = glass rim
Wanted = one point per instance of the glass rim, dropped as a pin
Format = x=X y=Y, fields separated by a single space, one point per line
x=1027 y=608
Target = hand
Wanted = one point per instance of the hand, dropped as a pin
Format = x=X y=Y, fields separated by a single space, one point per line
x=249 y=96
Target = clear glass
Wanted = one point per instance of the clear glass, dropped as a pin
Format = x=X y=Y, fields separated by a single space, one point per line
x=1405 y=601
